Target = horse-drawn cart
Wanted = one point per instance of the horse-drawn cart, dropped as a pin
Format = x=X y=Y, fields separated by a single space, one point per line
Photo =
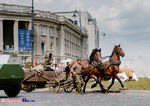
x=54 y=79
x=61 y=81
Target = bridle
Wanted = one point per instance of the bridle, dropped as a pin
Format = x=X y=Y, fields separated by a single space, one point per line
x=98 y=60
x=95 y=64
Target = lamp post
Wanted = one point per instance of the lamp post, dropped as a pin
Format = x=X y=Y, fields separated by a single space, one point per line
x=74 y=15
x=32 y=35
x=103 y=34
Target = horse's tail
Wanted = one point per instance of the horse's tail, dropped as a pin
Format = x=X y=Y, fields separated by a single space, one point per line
x=67 y=70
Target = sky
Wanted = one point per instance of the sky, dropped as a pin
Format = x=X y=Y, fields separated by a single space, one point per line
x=125 y=22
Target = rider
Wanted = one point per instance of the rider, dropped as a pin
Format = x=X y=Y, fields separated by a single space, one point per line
x=47 y=64
x=76 y=71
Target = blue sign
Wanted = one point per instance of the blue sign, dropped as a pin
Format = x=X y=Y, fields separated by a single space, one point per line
x=24 y=39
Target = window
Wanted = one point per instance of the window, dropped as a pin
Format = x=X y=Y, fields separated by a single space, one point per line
x=51 y=31
x=43 y=30
x=75 y=22
x=42 y=47
x=51 y=46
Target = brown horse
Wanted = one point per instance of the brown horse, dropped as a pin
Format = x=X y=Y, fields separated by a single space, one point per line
x=91 y=71
x=94 y=57
x=111 y=67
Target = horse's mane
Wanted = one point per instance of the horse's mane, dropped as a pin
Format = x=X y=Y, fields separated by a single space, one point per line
x=112 y=52
x=92 y=54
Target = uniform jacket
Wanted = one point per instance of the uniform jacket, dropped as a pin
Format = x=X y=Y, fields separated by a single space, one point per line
x=77 y=68
x=47 y=64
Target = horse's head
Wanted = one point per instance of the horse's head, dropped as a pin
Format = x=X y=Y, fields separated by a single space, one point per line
x=118 y=50
x=95 y=55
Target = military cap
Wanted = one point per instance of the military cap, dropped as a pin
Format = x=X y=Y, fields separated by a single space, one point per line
x=78 y=59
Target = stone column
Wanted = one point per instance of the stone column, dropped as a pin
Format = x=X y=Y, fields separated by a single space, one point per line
x=54 y=45
x=62 y=44
x=29 y=27
x=16 y=36
x=47 y=40
x=1 y=35
x=37 y=39
x=54 y=42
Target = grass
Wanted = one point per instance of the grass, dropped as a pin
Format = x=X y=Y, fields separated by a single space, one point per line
x=142 y=84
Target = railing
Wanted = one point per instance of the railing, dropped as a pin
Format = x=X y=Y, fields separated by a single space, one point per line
x=27 y=9
x=45 y=14
x=15 y=8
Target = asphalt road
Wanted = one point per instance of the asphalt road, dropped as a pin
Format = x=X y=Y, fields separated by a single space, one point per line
x=42 y=97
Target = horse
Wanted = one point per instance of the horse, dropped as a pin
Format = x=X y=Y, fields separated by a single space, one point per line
x=111 y=67
x=91 y=71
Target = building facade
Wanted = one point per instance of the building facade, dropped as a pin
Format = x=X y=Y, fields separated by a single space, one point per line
x=52 y=34
x=88 y=23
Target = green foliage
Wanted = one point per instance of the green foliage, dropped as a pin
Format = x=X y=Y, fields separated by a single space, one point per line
x=142 y=84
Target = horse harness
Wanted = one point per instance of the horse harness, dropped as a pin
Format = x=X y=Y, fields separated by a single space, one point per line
x=101 y=65
x=112 y=62
x=95 y=64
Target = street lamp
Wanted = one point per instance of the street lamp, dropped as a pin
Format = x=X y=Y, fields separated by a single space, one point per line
x=74 y=15
x=103 y=34
x=32 y=35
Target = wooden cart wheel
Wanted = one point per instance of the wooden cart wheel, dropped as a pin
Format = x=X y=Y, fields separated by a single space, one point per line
x=40 y=84
x=54 y=85
x=28 y=87
x=69 y=86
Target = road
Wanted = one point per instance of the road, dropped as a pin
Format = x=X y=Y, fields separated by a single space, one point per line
x=42 y=97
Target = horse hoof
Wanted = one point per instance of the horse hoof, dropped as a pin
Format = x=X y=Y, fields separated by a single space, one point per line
x=104 y=91
x=93 y=86
x=124 y=88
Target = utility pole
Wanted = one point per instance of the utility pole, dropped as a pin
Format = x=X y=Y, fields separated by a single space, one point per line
x=32 y=35
x=80 y=31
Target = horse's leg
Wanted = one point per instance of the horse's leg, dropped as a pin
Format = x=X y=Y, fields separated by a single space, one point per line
x=113 y=79
x=116 y=68
x=116 y=76
x=123 y=88
x=94 y=85
x=95 y=78
x=85 y=84
x=102 y=87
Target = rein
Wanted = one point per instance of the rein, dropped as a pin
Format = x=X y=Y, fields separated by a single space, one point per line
x=89 y=69
x=95 y=65
x=113 y=62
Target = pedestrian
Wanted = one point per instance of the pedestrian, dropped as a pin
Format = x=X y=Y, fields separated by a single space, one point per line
x=76 y=72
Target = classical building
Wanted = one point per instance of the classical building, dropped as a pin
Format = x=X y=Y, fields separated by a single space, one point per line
x=87 y=22
x=52 y=34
